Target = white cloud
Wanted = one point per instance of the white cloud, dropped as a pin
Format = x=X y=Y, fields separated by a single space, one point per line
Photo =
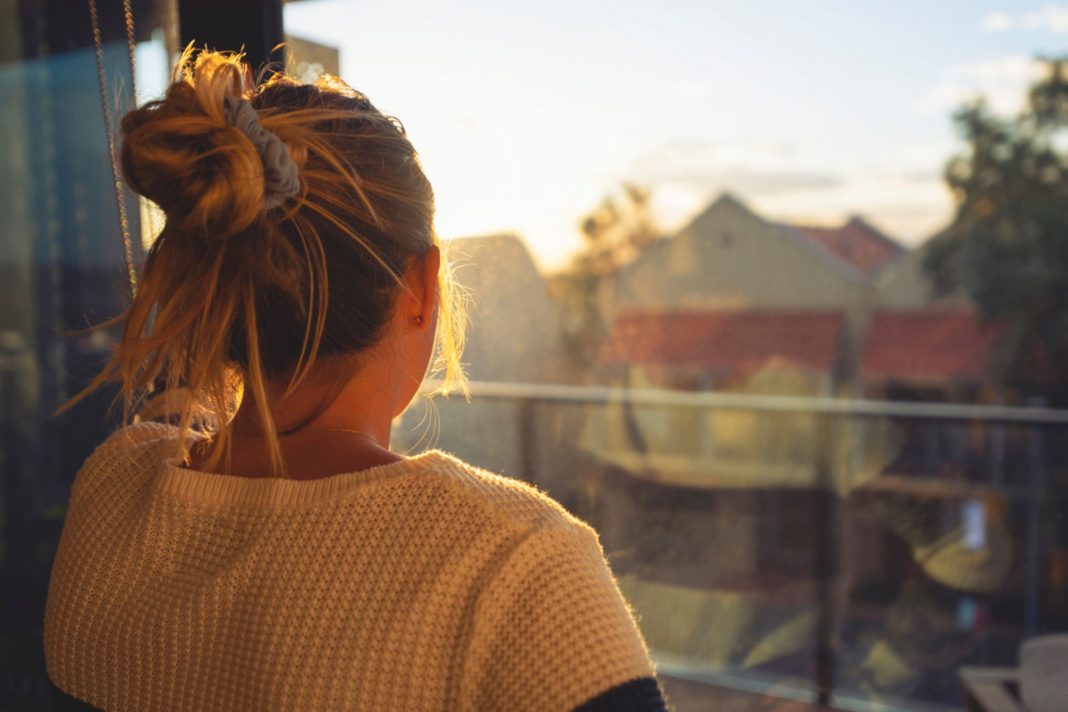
x=909 y=208
x=1048 y=18
x=1003 y=82
x=1051 y=18
x=997 y=22
x=752 y=167
x=905 y=195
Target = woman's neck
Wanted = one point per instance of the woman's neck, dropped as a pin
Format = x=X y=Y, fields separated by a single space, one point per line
x=327 y=425
x=308 y=454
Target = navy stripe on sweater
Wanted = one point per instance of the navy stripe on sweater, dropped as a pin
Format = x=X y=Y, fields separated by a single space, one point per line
x=641 y=694
x=62 y=702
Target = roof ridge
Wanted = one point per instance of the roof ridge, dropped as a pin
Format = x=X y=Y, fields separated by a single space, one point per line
x=858 y=219
x=845 y=237
x=798 y=236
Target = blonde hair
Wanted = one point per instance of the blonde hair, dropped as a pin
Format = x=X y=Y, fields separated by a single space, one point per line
x=233 y=296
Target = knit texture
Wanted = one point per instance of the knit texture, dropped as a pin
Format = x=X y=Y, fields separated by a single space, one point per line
x=427 y=584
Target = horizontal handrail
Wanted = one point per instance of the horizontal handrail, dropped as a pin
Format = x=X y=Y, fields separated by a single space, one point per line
x=499 y=390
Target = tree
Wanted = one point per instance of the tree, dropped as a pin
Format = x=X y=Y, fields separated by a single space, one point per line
x=1007 y=246
x=619 y=229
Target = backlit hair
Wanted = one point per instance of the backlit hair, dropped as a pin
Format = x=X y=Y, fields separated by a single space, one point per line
x=232 y=297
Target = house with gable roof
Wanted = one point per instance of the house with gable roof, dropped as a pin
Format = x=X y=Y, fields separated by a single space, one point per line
x=769 y=281
x=736 y=302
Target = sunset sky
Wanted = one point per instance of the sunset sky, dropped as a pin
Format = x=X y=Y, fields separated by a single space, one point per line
x=527 y=113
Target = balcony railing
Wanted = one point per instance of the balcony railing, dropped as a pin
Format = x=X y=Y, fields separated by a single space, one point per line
x=988 y=466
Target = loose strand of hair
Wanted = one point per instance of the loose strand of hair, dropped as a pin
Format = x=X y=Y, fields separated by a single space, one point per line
x=257 y=381
x=318 y=292
x=330 y=217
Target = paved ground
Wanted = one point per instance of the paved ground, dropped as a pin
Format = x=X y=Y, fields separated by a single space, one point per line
x=686 y=696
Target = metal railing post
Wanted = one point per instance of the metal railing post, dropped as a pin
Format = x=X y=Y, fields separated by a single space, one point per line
x=1035 y=471
x=824 y=561
x=528 y=452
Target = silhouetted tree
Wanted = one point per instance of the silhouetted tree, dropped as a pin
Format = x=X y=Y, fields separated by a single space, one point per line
x=615 y=233
x=1007 y=246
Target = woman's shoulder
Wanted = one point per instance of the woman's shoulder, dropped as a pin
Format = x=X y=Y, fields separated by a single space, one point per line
x=134 y=438
x=514 y=501
x=127 y=450
x=139 y=433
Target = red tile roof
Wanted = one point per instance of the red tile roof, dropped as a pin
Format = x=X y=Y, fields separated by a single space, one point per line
x=936 y=345
x=732 y=341
x=857 y=243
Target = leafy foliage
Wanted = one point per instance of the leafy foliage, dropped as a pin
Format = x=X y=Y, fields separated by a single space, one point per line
x=1007 y=246
x=619 y=229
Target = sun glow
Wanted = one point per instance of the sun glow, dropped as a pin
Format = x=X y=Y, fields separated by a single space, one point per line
x=526 y=119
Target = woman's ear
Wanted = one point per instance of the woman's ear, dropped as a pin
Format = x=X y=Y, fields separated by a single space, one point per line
x=423 y=283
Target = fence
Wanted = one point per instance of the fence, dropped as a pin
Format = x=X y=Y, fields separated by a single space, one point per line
x=881 y=517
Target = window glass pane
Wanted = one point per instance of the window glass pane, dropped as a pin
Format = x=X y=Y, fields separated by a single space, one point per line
x=759 y=292
x=759 y=297
x=61 y=266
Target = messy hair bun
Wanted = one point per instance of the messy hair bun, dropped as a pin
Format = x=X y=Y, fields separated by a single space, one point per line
x=239 y=289
x=183 y=154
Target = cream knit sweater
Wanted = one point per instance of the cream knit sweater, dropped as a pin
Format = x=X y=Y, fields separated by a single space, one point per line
x=426 y=584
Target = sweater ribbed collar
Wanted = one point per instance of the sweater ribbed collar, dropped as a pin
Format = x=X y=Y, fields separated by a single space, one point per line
x=211 y=488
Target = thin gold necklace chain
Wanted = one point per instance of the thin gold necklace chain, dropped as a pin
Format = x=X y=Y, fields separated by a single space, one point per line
x=338 y=430
x=120 y=193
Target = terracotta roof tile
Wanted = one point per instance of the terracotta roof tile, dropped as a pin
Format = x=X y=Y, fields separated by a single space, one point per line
x=732 y=341
x=938 y=345
x=857 y=243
